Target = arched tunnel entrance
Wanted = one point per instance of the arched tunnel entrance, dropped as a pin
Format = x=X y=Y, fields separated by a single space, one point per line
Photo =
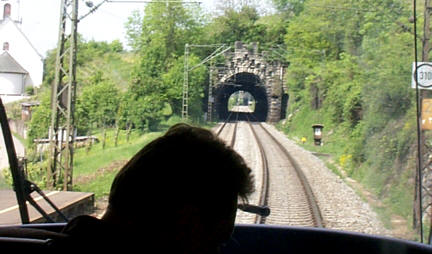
x=247 y=82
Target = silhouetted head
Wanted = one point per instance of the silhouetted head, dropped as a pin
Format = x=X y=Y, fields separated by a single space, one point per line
x=187 y=183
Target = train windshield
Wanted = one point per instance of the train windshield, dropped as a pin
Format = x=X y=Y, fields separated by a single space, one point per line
x=328 y=101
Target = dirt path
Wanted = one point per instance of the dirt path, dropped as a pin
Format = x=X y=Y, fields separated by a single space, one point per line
x=19 y=148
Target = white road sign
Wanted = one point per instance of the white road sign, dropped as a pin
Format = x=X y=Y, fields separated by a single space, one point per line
x=424 y=75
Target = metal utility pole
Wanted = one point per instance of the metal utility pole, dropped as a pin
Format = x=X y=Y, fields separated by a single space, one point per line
x=61 y=133
x=210 y=94
x=221 y=48
x=426 y=32
x=185 y=101
x=425 y=166
x=423 y=183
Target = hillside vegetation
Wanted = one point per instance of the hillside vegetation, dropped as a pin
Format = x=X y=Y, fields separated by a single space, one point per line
x=350 y=70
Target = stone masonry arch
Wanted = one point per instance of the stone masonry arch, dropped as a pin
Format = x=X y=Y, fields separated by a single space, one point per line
x=249 y=70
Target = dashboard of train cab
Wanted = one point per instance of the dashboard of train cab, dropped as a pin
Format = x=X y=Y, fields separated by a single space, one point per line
x=258 y=239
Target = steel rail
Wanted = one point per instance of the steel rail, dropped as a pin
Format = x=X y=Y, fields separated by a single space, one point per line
x=234 y=135
x=264 y=192
x=223 y=125
x=312 y=201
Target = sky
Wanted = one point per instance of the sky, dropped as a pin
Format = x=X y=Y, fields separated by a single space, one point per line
x=40 y=21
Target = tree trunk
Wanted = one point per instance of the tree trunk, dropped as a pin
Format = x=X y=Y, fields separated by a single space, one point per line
x=103 y=137
x=89 y=142
x=116 y=135
x=128 y=132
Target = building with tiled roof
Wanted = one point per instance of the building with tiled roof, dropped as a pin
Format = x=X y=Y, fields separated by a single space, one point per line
x=21 y=65
x=12 y=76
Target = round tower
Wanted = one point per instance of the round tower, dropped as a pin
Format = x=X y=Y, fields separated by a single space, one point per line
x=10 y=9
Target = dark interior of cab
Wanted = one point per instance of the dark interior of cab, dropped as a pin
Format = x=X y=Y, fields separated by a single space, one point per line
x=245 y=239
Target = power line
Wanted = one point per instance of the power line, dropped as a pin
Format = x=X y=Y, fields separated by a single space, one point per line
x=144 y=2
x=419 y=133
x=221 y=48
x=90 y=4
x=349 y=8
x=92 y=10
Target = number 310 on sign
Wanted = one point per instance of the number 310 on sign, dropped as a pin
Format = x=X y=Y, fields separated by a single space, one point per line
x=424 y=75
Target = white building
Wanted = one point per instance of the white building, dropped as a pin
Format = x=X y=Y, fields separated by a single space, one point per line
x=13 y=77
x=20 y=63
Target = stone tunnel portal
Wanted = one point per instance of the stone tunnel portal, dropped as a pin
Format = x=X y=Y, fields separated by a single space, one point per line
x=247 y=82
x=254 y=72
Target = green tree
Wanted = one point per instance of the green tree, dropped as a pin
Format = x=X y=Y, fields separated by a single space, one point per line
x=236 y=25
x=291 y=7
x=145 y=111
x=98 y=106
x=41 y=119
x=349 y=68
x=87 y=52
x=134 y=30
x=173 y=86
x=275 y=29
x=166 y=28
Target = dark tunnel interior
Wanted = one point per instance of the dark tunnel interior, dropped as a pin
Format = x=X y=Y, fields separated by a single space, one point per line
x=247 y=82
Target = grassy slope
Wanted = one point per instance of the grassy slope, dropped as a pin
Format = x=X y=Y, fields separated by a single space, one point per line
x=388 y=179
x=95 y=170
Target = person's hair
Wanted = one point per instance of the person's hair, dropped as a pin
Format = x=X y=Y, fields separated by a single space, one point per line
x=187 y=165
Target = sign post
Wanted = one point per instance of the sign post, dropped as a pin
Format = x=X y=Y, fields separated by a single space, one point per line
x=426 y=114
x=421 y=80
x=424 y=75
x=424 y=79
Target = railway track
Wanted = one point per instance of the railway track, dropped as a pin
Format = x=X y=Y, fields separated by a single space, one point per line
x=291 y=198
x=228 y=130
x=281 y=184
x=264 y=188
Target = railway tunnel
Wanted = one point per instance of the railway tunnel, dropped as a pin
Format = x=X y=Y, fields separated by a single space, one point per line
x=246 y=69
x=247 y=82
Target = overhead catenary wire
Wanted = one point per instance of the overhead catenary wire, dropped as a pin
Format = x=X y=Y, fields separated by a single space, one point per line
x=185 y=97
x=92 y=10
x=347 y=8
x=419 y=150
x=131 y=2
x=219 y=51
x=145 y=2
